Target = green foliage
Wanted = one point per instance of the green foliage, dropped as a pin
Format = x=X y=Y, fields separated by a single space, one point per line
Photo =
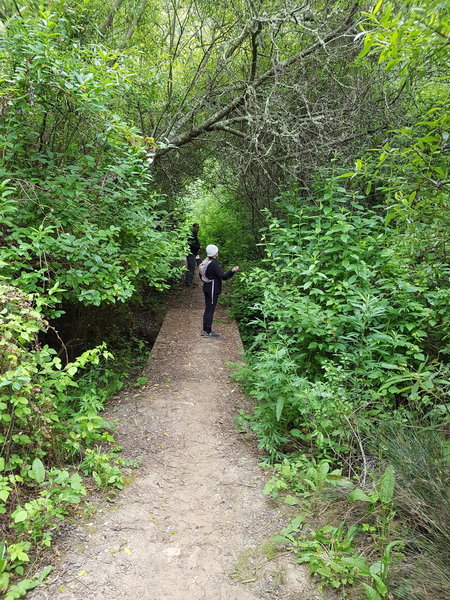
x=344 y=327
x=359 y=281
x=411 y=169
x=380 y=501
x=383 y=494
x=303 y=477
x=79 y=220
x=80 y=224
x=338 y=554
x=21 y=588
x=346 y=320
x=331 y=555
x=34 y=386
x=52 y=409
x=102 y=468
x=223 y=219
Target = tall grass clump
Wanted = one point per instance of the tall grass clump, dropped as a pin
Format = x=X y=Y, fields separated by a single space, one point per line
x=420 y=458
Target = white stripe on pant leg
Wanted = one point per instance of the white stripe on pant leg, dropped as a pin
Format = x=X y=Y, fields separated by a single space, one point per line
x=212 y=294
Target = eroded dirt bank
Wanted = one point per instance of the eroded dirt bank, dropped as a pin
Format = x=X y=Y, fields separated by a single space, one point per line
x=194 y=523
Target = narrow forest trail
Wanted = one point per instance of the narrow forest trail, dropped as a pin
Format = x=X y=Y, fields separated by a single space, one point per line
x=194 y=522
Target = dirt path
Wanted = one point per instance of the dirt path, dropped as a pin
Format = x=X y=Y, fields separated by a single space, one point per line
x=194 y=523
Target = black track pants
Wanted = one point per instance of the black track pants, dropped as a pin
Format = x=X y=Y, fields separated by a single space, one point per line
x=211 y=296
x=191 y=264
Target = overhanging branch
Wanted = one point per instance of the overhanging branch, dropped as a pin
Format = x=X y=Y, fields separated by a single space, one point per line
x=210 y=123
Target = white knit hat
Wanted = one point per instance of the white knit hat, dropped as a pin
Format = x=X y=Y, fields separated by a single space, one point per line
x=211 y=250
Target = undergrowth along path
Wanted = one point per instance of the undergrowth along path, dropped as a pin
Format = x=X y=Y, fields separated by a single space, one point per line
x=194 y=524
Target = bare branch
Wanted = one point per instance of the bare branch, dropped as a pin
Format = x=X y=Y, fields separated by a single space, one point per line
x=239 y=100
x=227 y=129
x=134 y=24
x=107 y=23
x=248 y=29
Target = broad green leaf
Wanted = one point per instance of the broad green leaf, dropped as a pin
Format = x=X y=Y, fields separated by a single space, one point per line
x=357 y=562
x=376 y=568
x=359 y=495
x=291 y=500
x=295 y=523
x=380 y=586
x=4 y=581
x=279 y=408
x=281 y=539
x=296 y=433
x=368 y=43
x=41 y=575
x=386 y=485
x=371 y=593
x=38 y=470
x=19 y=515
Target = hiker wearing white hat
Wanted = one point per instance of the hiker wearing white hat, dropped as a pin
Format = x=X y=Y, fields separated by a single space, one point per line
x=211 y=250
x=212 y=275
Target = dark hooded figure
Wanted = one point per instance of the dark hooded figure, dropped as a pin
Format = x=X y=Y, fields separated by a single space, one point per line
x=194 y=247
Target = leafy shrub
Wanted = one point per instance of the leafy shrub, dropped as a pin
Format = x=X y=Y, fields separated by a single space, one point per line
x=100 y=466
x=345 y=554
x=303 y=477
x=43 y=405
x=343 y=328
x=79 y=225
x=78 y=218
x=330 y=554
x=346 y=341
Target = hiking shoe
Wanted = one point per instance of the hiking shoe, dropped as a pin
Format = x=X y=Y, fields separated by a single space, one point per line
x=213 y=334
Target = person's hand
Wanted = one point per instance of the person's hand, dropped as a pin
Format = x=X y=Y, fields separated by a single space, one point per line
x=234 y=269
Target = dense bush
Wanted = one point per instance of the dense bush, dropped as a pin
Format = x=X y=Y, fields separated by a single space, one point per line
x=348 y=330
x=347 y=352
x=48 y=420
x=78 y=218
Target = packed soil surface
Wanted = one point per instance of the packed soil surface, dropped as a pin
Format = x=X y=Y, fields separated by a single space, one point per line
x=193 y=524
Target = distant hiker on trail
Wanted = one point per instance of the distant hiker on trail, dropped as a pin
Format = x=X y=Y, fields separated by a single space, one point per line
x=212 y=275
x=191 y=258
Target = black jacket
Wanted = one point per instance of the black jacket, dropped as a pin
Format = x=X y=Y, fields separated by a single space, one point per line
x=193 y=243
x=215 y=273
